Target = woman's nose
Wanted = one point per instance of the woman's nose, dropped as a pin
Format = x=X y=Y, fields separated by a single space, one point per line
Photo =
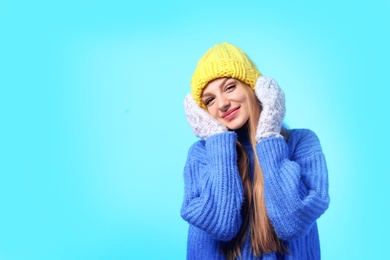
x=223 y=104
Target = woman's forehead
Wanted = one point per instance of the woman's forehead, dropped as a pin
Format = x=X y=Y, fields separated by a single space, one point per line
x=216 y=84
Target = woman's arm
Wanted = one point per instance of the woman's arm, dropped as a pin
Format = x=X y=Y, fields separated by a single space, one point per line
x=213 y=187
x=296 y=189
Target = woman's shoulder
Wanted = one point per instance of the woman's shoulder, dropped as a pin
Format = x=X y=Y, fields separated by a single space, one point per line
x=198 y=146
x=197 y=151
x=303 y=142
x=301 y=133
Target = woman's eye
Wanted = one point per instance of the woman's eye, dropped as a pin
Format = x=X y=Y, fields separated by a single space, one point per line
x=230 y=87
x=208 y=101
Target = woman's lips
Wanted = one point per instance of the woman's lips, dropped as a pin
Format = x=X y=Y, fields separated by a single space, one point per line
x=229 y=115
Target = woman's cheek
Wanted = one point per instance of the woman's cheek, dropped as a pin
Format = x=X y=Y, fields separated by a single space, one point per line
x=213 y=112
x=224 y=123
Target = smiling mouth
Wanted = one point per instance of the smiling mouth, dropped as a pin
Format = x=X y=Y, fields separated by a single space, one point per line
x=230 y=114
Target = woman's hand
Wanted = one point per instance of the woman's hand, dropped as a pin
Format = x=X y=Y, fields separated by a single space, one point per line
x=203 y=125
x=273 y=105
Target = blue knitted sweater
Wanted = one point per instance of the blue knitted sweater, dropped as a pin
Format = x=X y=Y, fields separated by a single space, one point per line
x=295 y=190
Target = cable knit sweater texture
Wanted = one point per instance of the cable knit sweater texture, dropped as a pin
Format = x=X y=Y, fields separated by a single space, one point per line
x=295 y=190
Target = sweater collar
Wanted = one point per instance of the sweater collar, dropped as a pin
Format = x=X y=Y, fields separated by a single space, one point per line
x=243 y=136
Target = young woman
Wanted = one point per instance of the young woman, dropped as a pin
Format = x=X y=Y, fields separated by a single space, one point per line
x=253 y=189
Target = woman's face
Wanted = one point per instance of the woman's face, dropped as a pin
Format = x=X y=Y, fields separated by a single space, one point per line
x=226 y=100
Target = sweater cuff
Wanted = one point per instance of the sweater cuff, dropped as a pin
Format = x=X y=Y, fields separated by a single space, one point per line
x=221 y=144
x=221 y=139
x=272 y=151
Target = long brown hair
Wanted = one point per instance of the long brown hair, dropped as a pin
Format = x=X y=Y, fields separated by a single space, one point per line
x=254 y=213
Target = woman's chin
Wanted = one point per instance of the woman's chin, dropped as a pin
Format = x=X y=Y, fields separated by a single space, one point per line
x=237 y=126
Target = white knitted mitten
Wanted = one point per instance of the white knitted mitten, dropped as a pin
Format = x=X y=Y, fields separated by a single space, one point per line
x=202 y=123
x=273 y=105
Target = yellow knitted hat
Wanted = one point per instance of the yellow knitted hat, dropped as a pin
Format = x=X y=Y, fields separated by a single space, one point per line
x=222 y=60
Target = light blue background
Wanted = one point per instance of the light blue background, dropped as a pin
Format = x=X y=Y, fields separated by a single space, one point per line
x=93 y=135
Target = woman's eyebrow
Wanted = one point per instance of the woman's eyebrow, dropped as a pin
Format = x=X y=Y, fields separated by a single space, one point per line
x=223 y=82
x=205 y=94
x=220 y=86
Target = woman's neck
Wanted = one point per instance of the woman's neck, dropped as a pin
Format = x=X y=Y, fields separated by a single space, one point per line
x=243 y=135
